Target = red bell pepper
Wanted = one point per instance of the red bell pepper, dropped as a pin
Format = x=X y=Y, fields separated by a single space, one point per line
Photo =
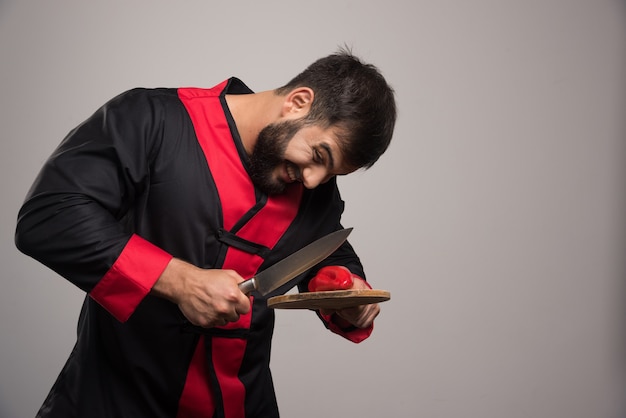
x=331 y=278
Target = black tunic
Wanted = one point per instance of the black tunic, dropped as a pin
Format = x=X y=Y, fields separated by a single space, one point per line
x=156 y=174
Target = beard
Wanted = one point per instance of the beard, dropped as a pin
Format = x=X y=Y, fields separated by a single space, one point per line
x=269 y=153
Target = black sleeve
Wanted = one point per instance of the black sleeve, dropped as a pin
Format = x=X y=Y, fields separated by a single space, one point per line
x=74 y=219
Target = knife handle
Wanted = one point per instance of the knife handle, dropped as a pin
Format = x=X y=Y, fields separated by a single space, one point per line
x=247 y=286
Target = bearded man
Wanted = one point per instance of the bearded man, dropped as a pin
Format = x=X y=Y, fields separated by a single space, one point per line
x=164 y=200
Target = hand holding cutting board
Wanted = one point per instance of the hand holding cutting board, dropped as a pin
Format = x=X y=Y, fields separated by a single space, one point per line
x=333 y=278
x=336 y=291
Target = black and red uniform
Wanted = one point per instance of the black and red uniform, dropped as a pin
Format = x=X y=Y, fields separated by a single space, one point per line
x=156 y=174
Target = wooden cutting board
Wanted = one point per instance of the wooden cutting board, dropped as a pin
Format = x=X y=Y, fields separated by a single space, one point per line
x=332 y=299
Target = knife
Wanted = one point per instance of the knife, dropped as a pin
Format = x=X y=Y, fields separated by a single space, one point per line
x=289 y=267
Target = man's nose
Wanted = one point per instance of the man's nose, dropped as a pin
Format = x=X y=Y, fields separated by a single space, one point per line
x=314 y=176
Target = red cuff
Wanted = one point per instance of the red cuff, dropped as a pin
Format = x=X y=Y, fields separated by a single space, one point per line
x=352 y=333
x=130 y=278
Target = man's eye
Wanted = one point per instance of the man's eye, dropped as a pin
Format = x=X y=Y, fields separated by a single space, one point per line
x=317 y=156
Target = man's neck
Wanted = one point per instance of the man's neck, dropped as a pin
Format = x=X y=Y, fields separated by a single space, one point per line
x=253 y=112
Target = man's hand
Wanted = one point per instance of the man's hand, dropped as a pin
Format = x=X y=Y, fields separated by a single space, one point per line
x=340 y=278
x=207 y=297
x=361 y=316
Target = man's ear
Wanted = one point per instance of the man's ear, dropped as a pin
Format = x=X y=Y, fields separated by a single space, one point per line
x=298 y=102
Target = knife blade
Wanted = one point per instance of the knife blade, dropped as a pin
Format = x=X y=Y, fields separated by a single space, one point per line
x=286 y=269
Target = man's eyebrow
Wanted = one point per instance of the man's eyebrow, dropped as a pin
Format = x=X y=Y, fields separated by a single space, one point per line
x=331 y=160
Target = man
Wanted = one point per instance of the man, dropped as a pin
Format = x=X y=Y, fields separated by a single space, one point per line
x=160 y=203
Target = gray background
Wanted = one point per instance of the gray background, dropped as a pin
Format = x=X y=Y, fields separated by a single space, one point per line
x=496 y=219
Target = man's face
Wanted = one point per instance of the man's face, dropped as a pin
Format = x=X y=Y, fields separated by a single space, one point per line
x=291 y=151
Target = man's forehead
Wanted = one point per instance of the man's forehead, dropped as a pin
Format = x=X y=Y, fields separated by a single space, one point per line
x=341 y=139
x=338 y=162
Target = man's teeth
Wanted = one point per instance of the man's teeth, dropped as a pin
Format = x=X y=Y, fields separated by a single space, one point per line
x=291 y=172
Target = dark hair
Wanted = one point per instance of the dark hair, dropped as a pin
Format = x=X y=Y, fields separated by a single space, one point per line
x=355 y=97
